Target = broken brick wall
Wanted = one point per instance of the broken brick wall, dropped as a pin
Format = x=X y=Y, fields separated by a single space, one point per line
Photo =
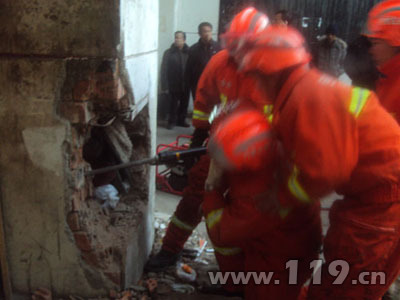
x=52 y=85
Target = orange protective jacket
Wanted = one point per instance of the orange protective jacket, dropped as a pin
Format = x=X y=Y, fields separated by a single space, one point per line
x=388 y=86
x=337 y=137
x=268 y=240
x=222 y=85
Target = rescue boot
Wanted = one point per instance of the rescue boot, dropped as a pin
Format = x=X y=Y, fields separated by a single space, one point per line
x=162 y=260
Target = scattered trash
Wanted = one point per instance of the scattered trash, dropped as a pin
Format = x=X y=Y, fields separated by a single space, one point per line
x=166 y=276
x=126 y=295
x=108 y=195
x=138 y=288
x=187 y=276
x=185 y=272
x=202 y=246
x=113 y=294
x=164 y=288
x=183 y=288
x=201 y=261
x=151 y=285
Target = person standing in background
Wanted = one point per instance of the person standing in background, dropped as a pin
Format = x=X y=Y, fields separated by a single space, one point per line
x=331 y=52
x=281 y=18
x=172 y=80
x=199 y=55
x=359 y=64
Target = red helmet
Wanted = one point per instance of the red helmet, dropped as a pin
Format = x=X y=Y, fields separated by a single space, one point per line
x=244 y=25
x=384 y=22
x=276 y=49
x=242 y=141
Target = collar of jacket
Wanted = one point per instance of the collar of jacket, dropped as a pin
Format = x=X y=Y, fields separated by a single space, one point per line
x=175 y=48
x=391 y=67
x=294 y=77
x=210 y=44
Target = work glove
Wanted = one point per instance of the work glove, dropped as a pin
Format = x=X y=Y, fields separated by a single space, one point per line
x=198 y=138
x=214 y=177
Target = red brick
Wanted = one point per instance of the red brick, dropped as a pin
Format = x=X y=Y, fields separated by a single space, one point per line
x=91 y=258
x=113 y=294
x=76 y=159
x=77 y=178
x=73 y=221
x=109 y=88
x=77 y=198
x=76 y=204
x=77 y=138
x=115 y=277
x=76 y=113
x=83 y=90
x=82 y=241
x=89 y=189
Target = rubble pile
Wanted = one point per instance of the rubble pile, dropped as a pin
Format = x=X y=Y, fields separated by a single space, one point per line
x=185 y=280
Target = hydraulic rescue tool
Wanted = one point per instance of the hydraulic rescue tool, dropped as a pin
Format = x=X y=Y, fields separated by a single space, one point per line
x=162 y=158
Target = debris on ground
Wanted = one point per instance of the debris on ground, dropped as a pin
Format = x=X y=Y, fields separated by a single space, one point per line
x=185 y=272
x=190 y=274
x=182 y=281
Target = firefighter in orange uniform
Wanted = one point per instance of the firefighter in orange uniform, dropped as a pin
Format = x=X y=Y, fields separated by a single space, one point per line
x=218 y=85
x=242 y=145
x=335 y=137
x=383 y=28
x=221 y=89
x=242 y=224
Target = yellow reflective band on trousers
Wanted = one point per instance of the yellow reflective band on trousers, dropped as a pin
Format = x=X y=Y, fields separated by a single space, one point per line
x=180 y=224
x=214 y=217
x=223 y=98
x=268 y=112
x=296 y=189
x=200 y=115
x=268 y=109
x=227 y=251
x=359 y=97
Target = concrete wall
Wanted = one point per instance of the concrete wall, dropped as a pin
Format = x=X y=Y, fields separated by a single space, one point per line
x=60 y=28
x=40 y=248
x=167 y=25
x=43 y=41
x=140 y=60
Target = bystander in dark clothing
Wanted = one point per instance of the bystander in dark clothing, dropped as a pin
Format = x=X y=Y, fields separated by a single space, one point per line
x=173 y=82
x=331 y=53
x=359 y=64
x=199 y=55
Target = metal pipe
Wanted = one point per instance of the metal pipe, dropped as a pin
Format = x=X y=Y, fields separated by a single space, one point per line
x=151 y=161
